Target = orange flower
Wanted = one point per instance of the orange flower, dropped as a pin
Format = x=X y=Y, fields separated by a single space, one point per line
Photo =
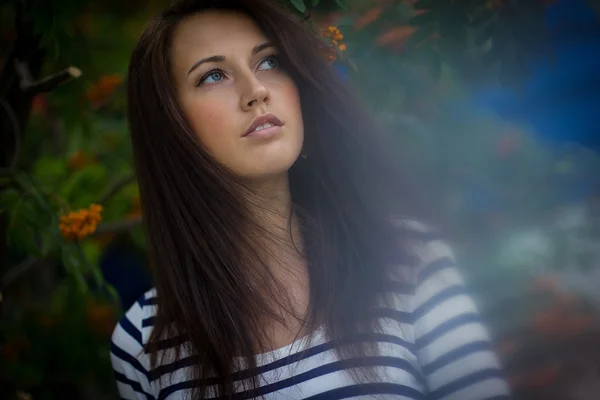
x=335 y=38
x=79 y=160
x=328 y=53
x=81 y=223
x=561 y=323
x=99 y=91
x=39 y=104
x=101 y=318
x=330 y=58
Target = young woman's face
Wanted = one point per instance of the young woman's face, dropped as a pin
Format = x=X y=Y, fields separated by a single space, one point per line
x=226 y=76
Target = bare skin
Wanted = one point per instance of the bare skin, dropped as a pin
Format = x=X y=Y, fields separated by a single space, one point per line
x=226 y=74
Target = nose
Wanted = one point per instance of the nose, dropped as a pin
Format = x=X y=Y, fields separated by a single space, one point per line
x=255 y=94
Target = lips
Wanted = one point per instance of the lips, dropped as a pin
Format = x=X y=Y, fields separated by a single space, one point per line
x=262 y=122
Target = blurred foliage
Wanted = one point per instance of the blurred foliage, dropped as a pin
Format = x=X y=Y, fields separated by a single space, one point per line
x=411 y=61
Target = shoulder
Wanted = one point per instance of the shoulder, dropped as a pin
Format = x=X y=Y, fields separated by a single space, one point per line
x=453 y=346
x=133 y=329
x=428 y=250
x=131 y=364
x=439 y=290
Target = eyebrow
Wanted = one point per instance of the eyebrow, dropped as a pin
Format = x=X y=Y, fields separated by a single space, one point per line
x=255 y=50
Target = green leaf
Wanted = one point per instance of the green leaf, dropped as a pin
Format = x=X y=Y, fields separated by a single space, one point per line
x=50 y=240
x=315 y=2
x=50 y=168
x=73 y=265
x=58 y=301
x=138 y=236
x=91 y=251
x=114 y=295
x=9 y=198
x=299 y=5
x=23 y=238
x=343 y=4
x=84 y=185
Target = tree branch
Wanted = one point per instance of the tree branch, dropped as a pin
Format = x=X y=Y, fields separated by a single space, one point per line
x=16 y=128
x=46 y=84
x=31 y=263
x=26 y=266
x=114 y=189
x=116 y=227
x=6 y=76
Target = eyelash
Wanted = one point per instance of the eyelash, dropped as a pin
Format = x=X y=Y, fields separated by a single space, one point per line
x=219 y=70
x=206 y=75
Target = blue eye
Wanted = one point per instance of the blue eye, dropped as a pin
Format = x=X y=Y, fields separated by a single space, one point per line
x=213 y=76
x=268 y=63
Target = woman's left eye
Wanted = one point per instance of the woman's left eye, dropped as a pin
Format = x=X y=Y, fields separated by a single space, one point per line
x=268 y=63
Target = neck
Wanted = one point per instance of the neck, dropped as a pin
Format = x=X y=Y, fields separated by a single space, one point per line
x=271 y=204
x=285 y=282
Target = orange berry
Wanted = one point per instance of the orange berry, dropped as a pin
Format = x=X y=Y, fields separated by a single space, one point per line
x=342 y=47
x=95 y=208
x=81 y=223
x=99 y=91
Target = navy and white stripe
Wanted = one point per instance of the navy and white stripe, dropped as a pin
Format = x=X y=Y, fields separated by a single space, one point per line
x=432 y=346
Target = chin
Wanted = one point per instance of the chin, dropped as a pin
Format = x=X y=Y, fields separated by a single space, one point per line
x=268 y=167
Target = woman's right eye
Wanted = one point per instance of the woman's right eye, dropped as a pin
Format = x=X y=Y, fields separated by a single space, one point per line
x=211 y=77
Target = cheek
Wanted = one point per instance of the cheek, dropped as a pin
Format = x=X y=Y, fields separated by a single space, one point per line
x=206 y=118
x=292 y=98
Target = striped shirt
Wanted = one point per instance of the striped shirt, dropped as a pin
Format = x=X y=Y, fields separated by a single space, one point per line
x=432 y=345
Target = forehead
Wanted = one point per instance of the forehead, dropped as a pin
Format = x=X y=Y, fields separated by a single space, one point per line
x=214 y=33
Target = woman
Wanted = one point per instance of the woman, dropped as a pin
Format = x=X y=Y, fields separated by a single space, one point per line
x=279 y=271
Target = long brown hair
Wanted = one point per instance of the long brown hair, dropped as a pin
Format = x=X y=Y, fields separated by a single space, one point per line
x=202 y=236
